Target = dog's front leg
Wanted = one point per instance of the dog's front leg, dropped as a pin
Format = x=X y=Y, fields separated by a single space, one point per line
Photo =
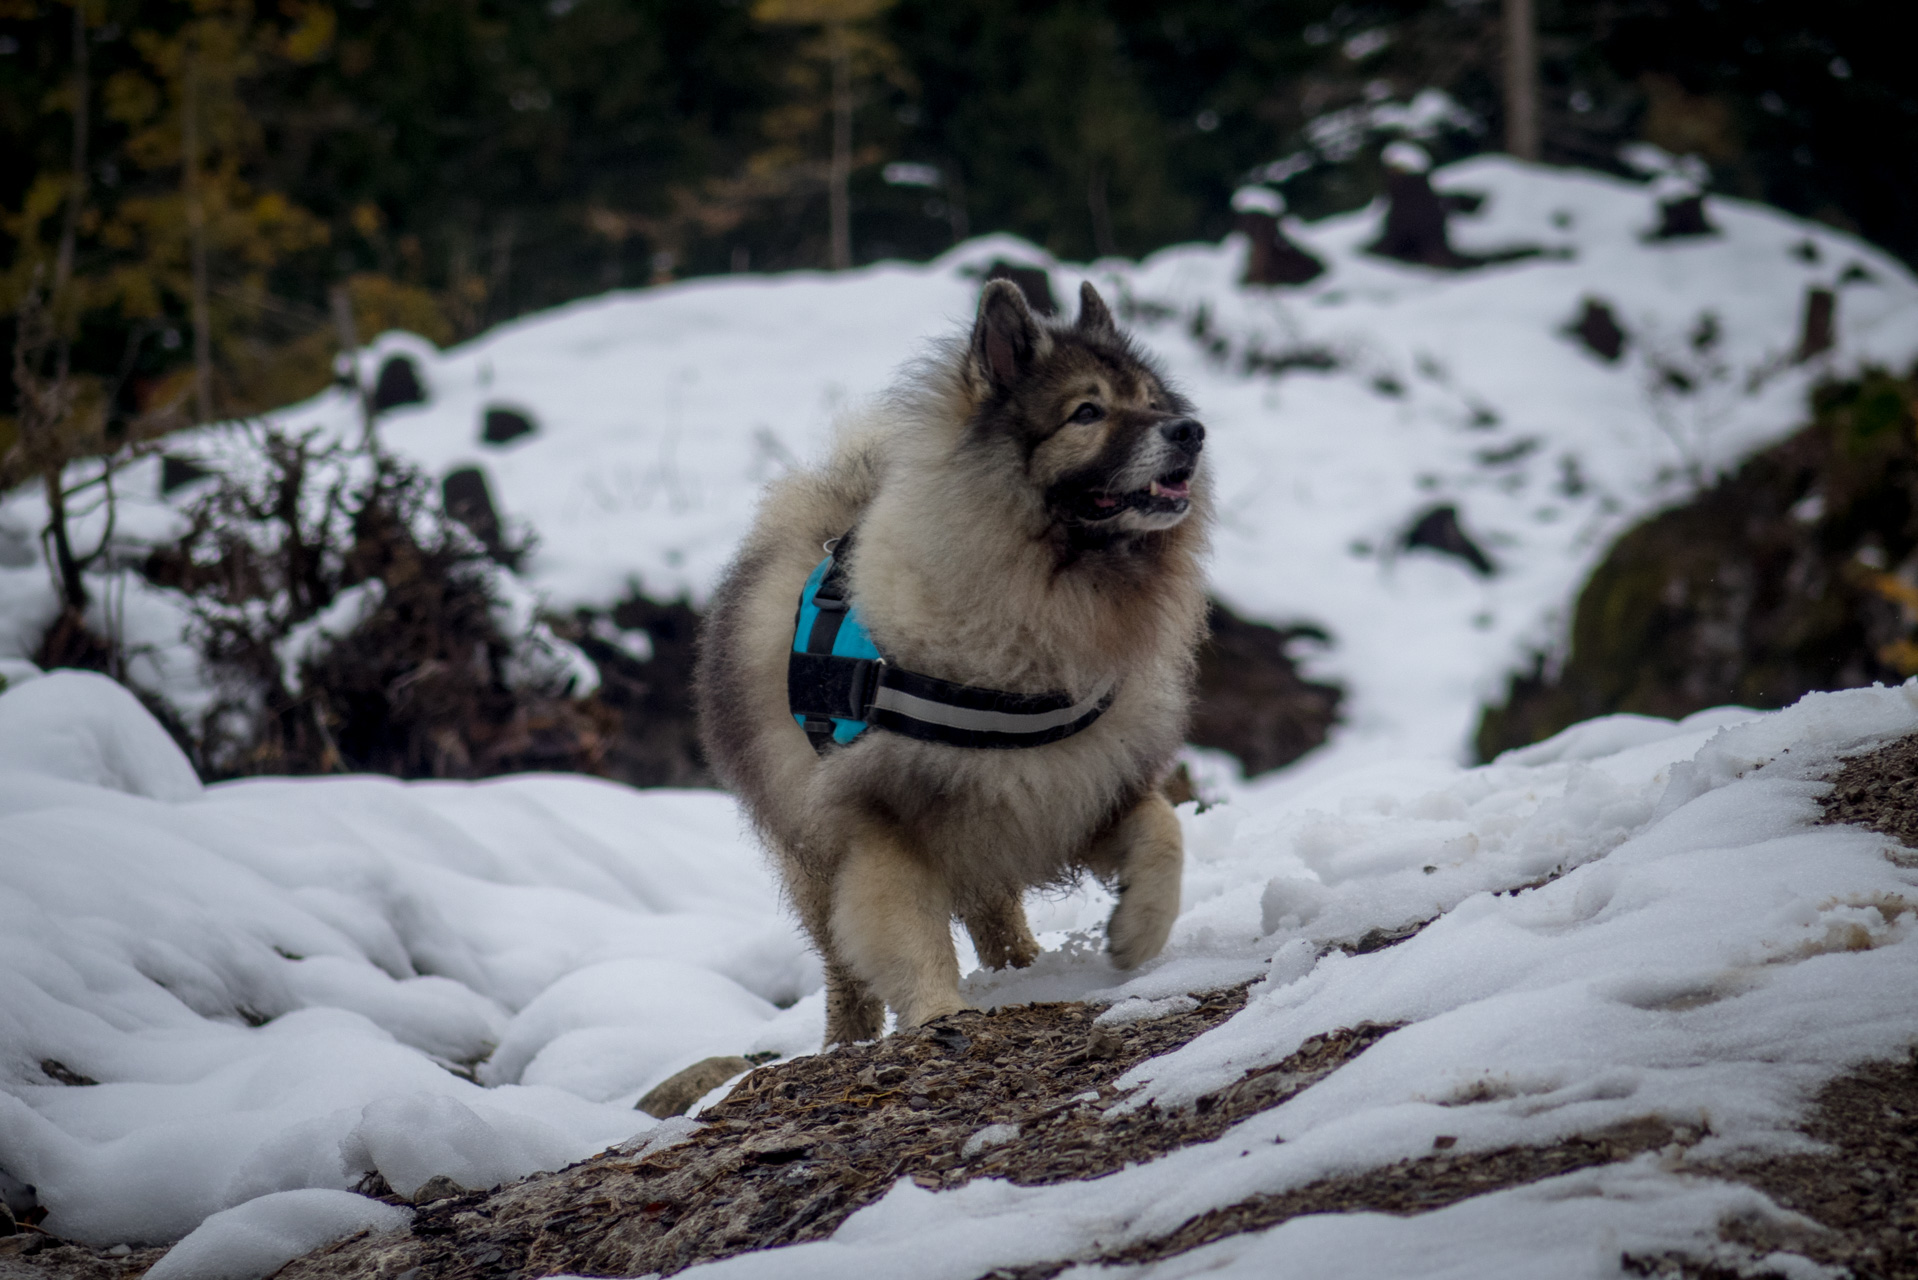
x=1000 y=933
x=892 y=925
x=1144 y=853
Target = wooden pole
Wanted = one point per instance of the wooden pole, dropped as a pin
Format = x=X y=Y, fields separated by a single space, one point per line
x=1521 y=79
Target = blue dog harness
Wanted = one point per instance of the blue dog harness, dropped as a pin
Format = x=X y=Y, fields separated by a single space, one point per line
x=838 y=684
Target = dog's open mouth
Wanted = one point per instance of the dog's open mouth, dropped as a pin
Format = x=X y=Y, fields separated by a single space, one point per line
x=1171 y=492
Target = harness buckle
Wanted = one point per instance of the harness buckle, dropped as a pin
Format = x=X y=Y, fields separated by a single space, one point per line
x=863 y=687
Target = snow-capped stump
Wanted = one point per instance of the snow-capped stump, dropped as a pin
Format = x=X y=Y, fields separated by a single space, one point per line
x=1274 y=259
x=1819 y=331
x=1034 y=282
x=1416 y=216
x=1681 y=209
x=1678 y=192
x=398 y=384
x=1598 y=329
x=1439 y=530
x=1415 y=229
x=502 y=425
x=468 y=499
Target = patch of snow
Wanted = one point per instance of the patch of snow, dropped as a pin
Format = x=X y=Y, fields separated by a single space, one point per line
x=254 y=1240
x=669 y=1132
x=1565 y=1226
x=715 y=1095
x=1139 y=1009
x=310 y=638
x=1406 y=157
x=993 y=1135
x=1258 y=200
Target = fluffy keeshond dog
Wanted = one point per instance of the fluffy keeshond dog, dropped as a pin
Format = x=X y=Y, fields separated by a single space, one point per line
x=1018 y=529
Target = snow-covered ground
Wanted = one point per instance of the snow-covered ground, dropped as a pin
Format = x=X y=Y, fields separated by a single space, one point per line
x=281 y=986
x=1705 y=955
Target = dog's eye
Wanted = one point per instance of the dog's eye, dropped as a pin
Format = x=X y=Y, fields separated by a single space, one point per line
x=1087 y=412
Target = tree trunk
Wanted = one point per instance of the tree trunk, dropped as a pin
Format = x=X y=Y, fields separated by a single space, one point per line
x=840 y=180
x=196 y=234
x=73 y=587
x=1521 y=79
x=48 y=413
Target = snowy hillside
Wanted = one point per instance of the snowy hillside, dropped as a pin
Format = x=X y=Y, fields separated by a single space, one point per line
x=657 y=414
x=274 y=988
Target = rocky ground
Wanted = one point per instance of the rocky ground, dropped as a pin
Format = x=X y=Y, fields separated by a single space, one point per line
x=1021 y=1093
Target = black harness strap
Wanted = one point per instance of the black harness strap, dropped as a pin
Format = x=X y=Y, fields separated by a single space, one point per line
x=819 y=685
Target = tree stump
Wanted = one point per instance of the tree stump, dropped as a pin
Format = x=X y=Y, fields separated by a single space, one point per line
x=1274 y=258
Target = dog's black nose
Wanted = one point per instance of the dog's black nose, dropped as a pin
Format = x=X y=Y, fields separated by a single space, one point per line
x=1187 y=434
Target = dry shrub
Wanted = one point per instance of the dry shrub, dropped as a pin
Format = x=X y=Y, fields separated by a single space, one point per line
x=348 y=623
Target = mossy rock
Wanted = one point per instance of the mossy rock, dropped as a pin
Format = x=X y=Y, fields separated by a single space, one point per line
x=1777 y=581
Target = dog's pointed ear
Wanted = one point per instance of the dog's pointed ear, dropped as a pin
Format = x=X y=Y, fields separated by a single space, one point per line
x=1093 y=316
x=1005 y=340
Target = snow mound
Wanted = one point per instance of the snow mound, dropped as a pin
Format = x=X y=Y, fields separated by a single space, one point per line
x=280 y=985
x=261 y=1236
x=82 y=727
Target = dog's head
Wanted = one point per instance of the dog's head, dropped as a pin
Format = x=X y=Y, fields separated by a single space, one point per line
x=1107 y=446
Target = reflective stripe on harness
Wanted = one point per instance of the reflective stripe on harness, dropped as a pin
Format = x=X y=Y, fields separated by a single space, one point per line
x=838 y=684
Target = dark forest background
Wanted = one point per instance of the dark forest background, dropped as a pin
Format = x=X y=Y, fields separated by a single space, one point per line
x=443 y=165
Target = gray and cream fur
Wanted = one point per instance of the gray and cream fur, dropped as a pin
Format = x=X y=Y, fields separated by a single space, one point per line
x=1031 y=511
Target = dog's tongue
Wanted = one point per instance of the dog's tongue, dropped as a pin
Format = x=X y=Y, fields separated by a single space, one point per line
x=1183 y=489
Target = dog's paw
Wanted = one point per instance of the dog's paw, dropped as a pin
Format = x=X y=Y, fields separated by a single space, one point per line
x=930 y=1009
x=1015 y=952
x=1138 y=928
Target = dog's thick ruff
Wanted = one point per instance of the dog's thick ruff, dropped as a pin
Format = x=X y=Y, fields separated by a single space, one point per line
x=1031 y=512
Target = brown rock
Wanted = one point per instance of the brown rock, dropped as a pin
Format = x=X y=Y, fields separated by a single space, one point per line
x=671 y=1096
x=436 y=1188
